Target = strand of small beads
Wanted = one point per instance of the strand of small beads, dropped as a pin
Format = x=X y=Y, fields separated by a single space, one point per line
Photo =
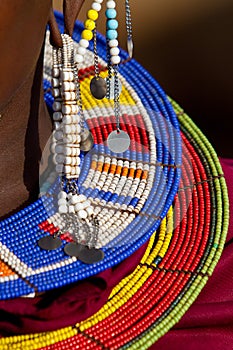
x=87 y=33
x=75 y=212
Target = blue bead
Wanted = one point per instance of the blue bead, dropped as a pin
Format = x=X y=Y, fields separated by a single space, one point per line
x=112 y=24
x=110 y=13
x=111 y=34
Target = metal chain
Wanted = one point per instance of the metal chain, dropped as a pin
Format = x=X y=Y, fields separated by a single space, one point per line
x=109 y=66
x=116 y=97
x=79 y=98
x=128 y=21
x=96 y=60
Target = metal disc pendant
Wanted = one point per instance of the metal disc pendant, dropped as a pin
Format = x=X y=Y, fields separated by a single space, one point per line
x=73 y=249
x=98 y=87
x=118 y=141
x=49 y=243
x=90 y=255
x=86 y=141
x=111 y=88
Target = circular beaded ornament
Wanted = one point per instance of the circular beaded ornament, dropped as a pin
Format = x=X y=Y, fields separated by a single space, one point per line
x=129 y=193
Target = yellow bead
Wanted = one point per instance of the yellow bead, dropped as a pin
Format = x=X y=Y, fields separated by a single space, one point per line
x=89 y=24
x=87 y=34
x=92 y=14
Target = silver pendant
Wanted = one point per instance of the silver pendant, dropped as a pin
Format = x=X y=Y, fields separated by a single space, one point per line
x=98 y=87
x=73 y=249
x=118 y=141
x=90 y=255
x=86 y=141
x=49 y=243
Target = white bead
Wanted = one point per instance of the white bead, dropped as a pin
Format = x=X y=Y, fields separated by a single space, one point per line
x=61 y=201
x=57 y=125
x=66 y=95
x=75 y=117
x=67 y=129
x=62 y=209
x=71 y=209
x=56 y=92
x=99 y=1
x=66 y=86
x=55 y=82
x=60 y=158
x=65 y=76
x=72 y=86
x=78 y=58
x=58 y=135
x=74 y=199
x=113 y=43
x=69 y=196
x=72 y=96
x=84 y=43
x=78 y=206
x=59 y=149
x=114 y=51
x=68 y=160
x=73 y=171
x=82 y=198
x=82 y=214
x=81 y=50
x=67 y=169
x=71 y=76
x=57 y=116
x=66 y=109
x=67 y=151
x=115 y=59
x=96 y=6
x=111 y=4
x=62 y=194
x=86 y=204
x=68 y=139
x=56 y=106
x=56 y=72
x=67 y=119
x=89 y=211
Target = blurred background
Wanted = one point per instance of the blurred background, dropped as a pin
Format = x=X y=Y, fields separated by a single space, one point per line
x=188 y=47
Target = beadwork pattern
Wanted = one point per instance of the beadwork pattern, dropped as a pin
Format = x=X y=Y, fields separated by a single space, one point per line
x=131 y=192
x=178 y=261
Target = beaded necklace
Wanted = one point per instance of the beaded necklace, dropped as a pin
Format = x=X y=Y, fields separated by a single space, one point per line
x=138 y=199
x=137 y=312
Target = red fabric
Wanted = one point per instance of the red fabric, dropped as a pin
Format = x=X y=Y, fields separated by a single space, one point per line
x=64 y=306
x=208 y=324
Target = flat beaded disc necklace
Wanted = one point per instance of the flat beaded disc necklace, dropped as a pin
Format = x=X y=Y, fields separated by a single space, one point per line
x=130 y=191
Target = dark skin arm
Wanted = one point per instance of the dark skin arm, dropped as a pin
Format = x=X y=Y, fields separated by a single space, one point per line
x=25 y=125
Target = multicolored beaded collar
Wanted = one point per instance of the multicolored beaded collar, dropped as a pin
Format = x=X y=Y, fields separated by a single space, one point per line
x=135 y=188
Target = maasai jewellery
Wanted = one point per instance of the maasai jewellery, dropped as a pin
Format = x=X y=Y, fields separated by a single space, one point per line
x=75 y=212
x=118 y=140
